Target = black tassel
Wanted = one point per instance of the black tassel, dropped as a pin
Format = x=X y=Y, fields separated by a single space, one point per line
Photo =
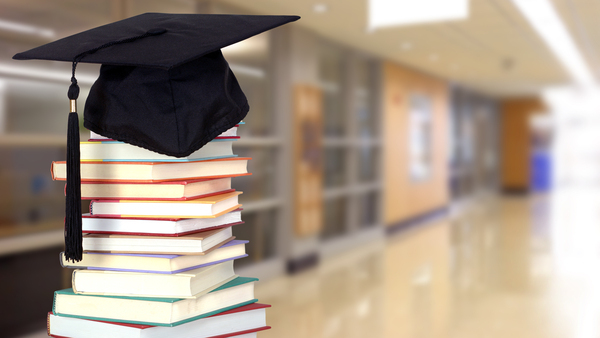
x=73 y=235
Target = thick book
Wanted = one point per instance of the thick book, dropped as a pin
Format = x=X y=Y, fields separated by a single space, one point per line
x=231 y=132
x=99 y=224
x=187 y=284
x=153 y=263
x=155 y=311
x=117 y=151
x=176 y=190
x=194 y=244
x=211 y=206
x=242 y=322
x=155 y=171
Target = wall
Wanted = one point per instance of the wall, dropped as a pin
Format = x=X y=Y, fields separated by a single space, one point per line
x=515 y=137
x=403 y=198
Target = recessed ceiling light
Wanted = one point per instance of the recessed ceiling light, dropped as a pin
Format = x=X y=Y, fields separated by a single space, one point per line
x=433 y=57
x=407 y=45
x=320 y=8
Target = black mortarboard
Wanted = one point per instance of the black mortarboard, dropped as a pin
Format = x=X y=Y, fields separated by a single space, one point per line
x=164 y=86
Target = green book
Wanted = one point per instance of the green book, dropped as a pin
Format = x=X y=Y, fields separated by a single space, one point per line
x=155 y=311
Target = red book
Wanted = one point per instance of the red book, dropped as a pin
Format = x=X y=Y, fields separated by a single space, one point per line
x=151 y=172
x=242 y=320
x=163 y=191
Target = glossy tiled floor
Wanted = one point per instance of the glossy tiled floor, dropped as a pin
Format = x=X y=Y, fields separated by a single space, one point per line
x=511 y=267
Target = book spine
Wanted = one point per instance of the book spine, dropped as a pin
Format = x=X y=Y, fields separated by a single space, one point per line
x=73 y=280
x=52 y=171
x=54 y=304
x=48 y=323
x=60 y=256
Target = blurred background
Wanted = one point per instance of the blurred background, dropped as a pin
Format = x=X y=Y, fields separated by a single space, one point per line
x=455 y=191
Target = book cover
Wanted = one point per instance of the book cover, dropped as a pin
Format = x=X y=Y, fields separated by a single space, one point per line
x=236 y=282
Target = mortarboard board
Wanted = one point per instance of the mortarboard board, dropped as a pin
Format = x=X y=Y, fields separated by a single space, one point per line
x=164 y=85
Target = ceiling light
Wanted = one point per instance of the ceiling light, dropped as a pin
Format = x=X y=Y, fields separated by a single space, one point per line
x=406 y=45
x=26 y=29
x=544 y=19
x=320 y=8
x=386 y=13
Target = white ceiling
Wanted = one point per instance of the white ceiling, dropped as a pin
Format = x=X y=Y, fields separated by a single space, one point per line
x=494 y=51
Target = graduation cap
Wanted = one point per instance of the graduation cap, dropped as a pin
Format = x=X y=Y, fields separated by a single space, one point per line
x=164 y=85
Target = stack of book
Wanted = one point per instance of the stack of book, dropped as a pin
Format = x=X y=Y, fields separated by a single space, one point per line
x=158 y=246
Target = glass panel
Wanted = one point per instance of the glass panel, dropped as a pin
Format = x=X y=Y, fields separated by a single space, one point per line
x=261 y=184
x=368 y=159
x=249 y=60
x=335 y=167
x=368 y=204
x=260 y=228
x=29 y=196
x=34 y=107
x=330 y=76
x=364 y=95
x=334 y=217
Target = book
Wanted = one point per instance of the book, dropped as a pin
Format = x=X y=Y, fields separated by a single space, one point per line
x=211 y=206
x=155 y=311
x=116 y=150
x=155 y=171
x=100 y=224
x=242 y=322
x=189 y=284
x=154 y=263
x=193 y=244
x=231 y=132
x=176 y=190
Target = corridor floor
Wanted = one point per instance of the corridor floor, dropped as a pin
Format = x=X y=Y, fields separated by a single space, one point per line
x=499 y=267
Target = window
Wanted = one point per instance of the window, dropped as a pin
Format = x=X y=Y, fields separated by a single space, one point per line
x=351 y=142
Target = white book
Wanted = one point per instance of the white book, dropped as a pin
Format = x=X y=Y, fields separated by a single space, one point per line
x=115 y=150
x=157 y=226
x=212 y=206
x=187 y=284
x=249 y=318
x=156 y=263
x=178 y=190
x=193 y=244
x=154 y=171
x=154 y=311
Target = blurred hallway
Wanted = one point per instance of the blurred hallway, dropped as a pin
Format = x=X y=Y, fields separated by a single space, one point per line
x=420 y=179
x=498 y=267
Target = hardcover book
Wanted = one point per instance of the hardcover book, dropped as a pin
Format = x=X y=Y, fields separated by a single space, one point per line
x=108 y=224
x=176 y=190
x=211 y=206
x=242 y=322
x=155 y=311
x=189 y=284
x=194 y=244
x=155 y=171
x=155 y=263
x=115 y=150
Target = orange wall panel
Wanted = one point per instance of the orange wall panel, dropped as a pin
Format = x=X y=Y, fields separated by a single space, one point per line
x=404 y=198
x=515 y=138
